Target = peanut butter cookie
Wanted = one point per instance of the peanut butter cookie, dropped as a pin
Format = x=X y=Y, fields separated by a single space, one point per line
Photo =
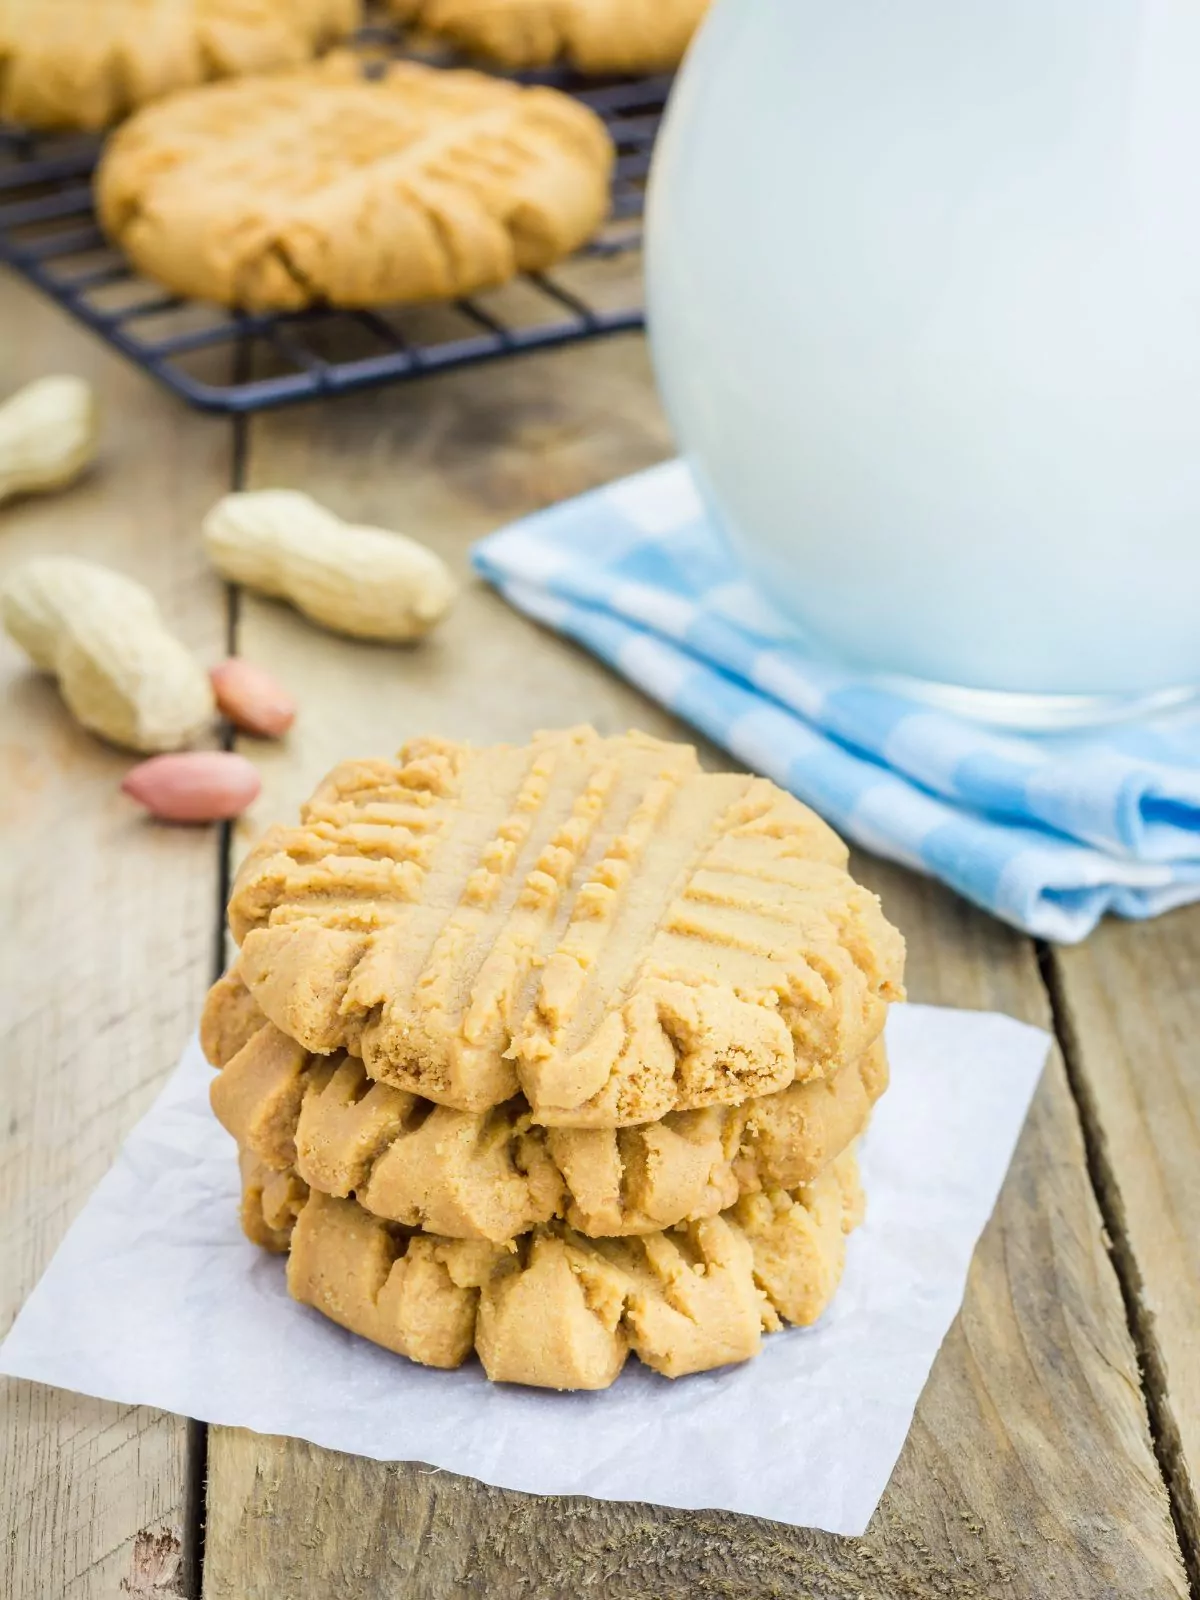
x=594 y=36
x=85 y=63
x=323 y=184
x=558 y=1310
x=495 y=1174
x=593 y=923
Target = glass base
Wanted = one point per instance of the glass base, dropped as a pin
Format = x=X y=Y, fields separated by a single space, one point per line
x=1039 y=713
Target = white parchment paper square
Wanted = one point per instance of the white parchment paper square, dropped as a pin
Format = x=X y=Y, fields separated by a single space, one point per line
x=155 y=1297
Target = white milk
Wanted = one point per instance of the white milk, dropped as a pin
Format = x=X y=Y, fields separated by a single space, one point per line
x=925 y=306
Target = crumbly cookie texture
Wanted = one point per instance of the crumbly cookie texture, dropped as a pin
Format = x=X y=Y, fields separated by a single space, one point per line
x=271 y=1202
x=593 y=922
x=494 y=1175
x=558 y=1310
x=85 y=63
x=230 y=1019
x=594 y=36
x=324 y=185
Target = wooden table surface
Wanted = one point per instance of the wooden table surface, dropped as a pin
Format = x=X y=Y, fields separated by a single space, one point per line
x=1056 y=1445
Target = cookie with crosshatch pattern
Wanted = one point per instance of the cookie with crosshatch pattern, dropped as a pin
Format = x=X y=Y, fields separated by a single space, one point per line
x=592 y=922
x=593 y=36
x=328 y=185
x=555 y=1309
x=495 y=1174
x=85 y=63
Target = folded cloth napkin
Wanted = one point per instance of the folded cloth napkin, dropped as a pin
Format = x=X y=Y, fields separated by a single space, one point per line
x=1048 y=833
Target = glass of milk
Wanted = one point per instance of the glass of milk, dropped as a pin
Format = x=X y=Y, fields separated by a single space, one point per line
x=924 y=291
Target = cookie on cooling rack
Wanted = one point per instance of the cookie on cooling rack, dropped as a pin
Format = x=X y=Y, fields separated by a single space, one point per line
x=85 y=63
x=593 y=36
x=326 y=185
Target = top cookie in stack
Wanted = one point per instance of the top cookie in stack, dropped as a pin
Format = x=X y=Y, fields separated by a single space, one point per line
x=555 y=1053
x=596 y=923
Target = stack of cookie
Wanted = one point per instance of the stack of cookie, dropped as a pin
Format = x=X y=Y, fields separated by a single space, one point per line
x=554 y=1053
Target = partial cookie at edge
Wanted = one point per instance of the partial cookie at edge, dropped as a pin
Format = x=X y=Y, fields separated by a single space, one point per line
x=85 y=63
x=594 y=36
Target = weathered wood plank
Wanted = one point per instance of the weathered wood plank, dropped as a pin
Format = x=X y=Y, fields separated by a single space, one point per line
x=107 y=945
x=1129 y=1009
x=1029 y=1470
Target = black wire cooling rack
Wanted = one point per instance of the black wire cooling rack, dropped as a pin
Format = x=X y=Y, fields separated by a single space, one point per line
x=229 y=361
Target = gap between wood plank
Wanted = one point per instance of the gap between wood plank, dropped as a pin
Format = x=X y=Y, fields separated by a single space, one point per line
x=195 y=1483
x=1164 y=1432
x=195 y=1487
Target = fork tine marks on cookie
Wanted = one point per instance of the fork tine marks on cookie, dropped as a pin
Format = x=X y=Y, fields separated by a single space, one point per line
x=596 y=922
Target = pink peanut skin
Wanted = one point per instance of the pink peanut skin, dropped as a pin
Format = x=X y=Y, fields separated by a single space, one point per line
x=251 y=698
x=196 y=786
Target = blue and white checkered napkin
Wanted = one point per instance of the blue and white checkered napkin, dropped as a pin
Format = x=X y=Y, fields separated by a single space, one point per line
x=1047 y=833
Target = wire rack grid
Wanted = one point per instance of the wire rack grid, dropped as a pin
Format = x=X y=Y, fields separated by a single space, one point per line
x=232 y=361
